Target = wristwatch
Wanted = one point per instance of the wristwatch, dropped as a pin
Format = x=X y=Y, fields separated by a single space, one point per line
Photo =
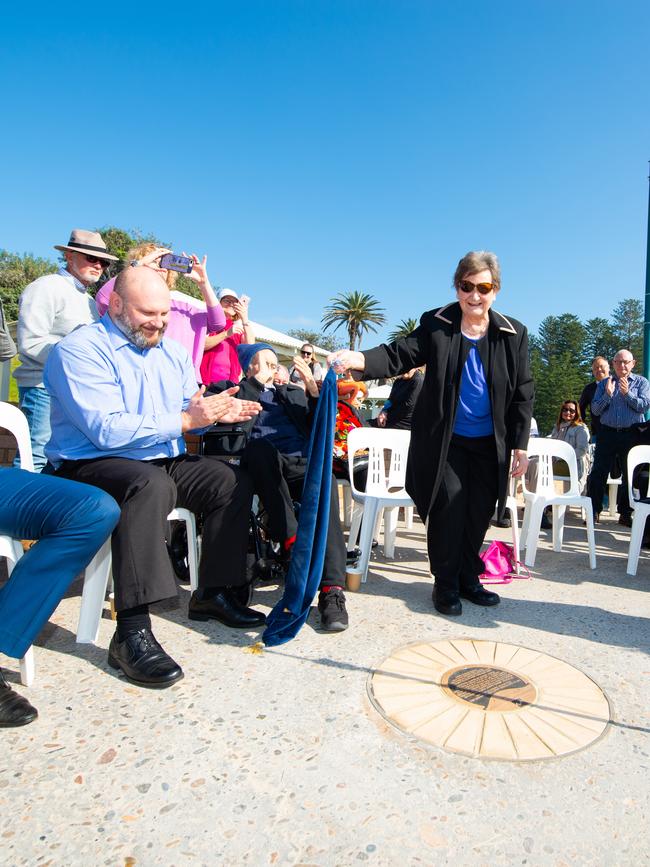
x=134 y=263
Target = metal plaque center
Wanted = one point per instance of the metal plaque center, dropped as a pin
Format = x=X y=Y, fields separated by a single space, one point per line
x=489 y=687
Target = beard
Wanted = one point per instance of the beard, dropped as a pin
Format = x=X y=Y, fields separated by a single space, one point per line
x=136 y=335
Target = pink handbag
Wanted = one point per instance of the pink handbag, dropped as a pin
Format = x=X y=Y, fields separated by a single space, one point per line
x=500 y=565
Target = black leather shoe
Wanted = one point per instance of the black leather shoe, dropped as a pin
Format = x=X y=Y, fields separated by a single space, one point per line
x=447 y=603
x=479 y=595
x=226 y=608
x=15 y=710
x=625 y=520
x=143 y=660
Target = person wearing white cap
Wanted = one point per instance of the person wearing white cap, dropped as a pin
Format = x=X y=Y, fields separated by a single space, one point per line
x=220 y=359
x=49 y=308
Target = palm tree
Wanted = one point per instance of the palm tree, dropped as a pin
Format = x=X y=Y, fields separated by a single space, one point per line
x=359 y=313
x=403 y=329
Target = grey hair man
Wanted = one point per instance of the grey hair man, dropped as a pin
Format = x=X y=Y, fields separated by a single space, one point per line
x=620 y=402
x=51 y=307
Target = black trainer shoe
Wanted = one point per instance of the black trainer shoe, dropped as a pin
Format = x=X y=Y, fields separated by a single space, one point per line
x=333 y=614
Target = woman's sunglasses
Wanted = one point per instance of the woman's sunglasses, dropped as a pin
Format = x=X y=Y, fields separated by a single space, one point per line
x=468 y=286
x=569 y=409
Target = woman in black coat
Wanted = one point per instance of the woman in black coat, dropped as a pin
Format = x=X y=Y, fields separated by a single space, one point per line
x=473 y=411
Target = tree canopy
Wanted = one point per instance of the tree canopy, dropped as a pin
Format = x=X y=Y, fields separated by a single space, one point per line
x=357 y=311
x=562 y=351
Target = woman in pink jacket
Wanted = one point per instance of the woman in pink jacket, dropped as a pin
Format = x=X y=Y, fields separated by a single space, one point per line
x=189 y=321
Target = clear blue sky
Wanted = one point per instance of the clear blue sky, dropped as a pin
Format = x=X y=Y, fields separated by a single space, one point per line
x=312 y=147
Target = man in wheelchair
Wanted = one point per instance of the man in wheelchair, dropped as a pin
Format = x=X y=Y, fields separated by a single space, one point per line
x=273 y=449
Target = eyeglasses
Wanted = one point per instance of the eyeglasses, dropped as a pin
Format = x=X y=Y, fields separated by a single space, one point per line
x=569 y=409
x=303 y=352
x=93 y=260
x=467 y=286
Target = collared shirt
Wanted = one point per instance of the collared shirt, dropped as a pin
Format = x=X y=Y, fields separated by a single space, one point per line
x=622 y=410
x=110 y=398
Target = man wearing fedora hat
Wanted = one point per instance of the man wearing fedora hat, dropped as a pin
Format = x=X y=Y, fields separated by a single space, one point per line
x=51 y=307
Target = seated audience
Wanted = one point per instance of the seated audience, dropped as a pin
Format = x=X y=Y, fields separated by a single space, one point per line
x=70 y=523
x=122 y=398
x=276 y=458
x=620 y=402
x=281 y=376
x=398 y=409
x=188 y=323
x=51 y=307
x=307 y=353
x=570 y=428
x=600 y=370
x=220 y=360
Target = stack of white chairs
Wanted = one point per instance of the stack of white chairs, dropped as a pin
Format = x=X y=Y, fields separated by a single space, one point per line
x=546 y=495
x=13 y=420
x=384 y=489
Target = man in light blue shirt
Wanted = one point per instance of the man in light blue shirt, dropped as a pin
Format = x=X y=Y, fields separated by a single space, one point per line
x=122 y=397
x=620 y=402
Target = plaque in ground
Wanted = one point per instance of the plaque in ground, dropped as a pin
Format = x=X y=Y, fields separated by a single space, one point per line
x=489 y=699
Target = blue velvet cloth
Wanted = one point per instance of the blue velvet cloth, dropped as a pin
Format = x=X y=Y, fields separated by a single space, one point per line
x=308 y=553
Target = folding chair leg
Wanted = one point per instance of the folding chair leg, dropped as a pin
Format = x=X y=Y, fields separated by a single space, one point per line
x=534 y=525
x=370 y=513
x=559 y=513
x=636 y=537
x=355 y=526
x=94 y=593
x=390 y=531
x=27 y=668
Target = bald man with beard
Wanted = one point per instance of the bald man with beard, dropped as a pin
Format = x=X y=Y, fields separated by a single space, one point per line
x=122 y=398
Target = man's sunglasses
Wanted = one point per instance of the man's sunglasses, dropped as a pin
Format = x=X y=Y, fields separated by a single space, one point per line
x=93 y=260
x=467 y=286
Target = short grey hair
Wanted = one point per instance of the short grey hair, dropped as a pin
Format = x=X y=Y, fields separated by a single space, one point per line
x=475 y=261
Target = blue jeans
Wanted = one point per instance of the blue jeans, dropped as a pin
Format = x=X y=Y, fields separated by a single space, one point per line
x=70 y=522
x=35 y=403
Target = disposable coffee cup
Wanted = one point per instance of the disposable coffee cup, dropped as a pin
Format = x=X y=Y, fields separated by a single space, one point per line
x=353 y=580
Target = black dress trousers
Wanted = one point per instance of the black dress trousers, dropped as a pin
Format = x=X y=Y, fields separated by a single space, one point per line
x=146 y=492
x=461 y=513
x=279 y=480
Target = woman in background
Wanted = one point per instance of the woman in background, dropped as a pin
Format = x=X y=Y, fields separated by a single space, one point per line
x=220 y=359
x=188 y=322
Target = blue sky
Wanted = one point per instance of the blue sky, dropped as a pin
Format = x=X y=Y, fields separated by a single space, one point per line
x=312 y=148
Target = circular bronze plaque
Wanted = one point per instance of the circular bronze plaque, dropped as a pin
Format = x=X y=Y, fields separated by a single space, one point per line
x=488 y=687
x=489 y=699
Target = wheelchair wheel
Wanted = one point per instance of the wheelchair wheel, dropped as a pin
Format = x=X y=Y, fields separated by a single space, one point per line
x=177 y=548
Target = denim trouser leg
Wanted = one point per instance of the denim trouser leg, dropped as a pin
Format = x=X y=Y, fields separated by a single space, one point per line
x=35 y=403
x=70 y=521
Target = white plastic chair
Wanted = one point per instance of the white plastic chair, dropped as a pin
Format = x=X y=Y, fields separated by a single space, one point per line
x=98 y=575
x=636 y=456
x=13 y=420
x=344 y=485
x=383 y=490
x=545 y=495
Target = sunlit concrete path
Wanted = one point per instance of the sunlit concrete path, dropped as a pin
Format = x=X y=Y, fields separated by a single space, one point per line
x=280 y=758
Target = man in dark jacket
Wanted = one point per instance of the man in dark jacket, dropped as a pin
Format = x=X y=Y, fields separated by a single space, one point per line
x=276 y=458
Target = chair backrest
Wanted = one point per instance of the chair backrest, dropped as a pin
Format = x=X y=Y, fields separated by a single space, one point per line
x=635 y=457
x=545 y=449
x=13 y=420
x=387 y=452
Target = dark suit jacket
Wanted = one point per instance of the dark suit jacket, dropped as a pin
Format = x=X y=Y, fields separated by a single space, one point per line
x=299 y=407
x=438 y=343
x=586 y=397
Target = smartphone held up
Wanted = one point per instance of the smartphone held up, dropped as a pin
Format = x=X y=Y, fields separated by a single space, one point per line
x=173 y=262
